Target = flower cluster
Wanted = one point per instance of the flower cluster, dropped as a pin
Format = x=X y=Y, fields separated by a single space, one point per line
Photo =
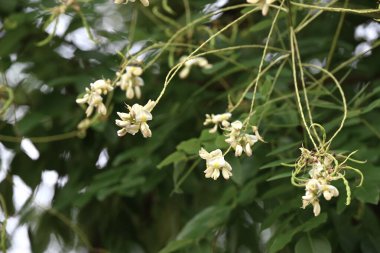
x=136 y=120
x=317 y=185
x=216 y=120
x=144 y=2
x=241 y=141
x=131 y=81
x=262 y=4
x=93 y=97
x=215 y=164
x=316 y=170
x=237 y=138
x=197 y=61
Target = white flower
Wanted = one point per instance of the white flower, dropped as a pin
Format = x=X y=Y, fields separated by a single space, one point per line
x=313 y=189
x=101 y=86
x=239 y=141
x=329 y=191
x=131 y=81
x=93 y=97
x=215 y=164
x=216 y=120
x=316 y=170
x=199 y=61
x=136 y=120
x=313 y=185
x=144 y=2
x=262 y=4
x=316 y=207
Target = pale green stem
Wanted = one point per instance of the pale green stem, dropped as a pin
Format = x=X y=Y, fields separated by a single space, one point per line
x=4 y=225
x=9 y=100
x=294 y=70
x=193 y=23
x=246 y=123
x=282 y=57
x=341 y=93
x=306 y=21
x=336 y=37
x=333 y=9
x=304 y=87
x=188 y=172
x=43 y=139
x=176 y=68
x=271 y=90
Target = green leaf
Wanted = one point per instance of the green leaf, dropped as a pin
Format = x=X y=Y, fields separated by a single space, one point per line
x=248 y=193
x=276 y=163
x=126 y=187
x=203 y=222
x=191 y=146
x=282 y=239
x=313 y=245
x=207 y=136
x=176 y=245
x=368 y=192
x=220 y=142
x=278 y=211
x=31 y=121
x=283 y=148
x=172 y=158
x=280 y=176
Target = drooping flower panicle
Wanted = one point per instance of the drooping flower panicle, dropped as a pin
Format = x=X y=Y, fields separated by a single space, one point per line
x=321 y=172
x=93 y=97
x=136 y=120
x=215 y=164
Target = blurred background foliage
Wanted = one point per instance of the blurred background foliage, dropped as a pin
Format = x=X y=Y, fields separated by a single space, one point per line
x=150 y=195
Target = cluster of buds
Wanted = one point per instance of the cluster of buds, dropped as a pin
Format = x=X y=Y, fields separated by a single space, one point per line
x=197 y=61
x=131 y=81
x=144 y=2
x=93 y=97
x=241 y=141
x=136 y=120
x=215 y=164
x=262 y=4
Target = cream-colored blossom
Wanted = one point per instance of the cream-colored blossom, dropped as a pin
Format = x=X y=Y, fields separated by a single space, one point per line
x=216 y=119
x=93 y=97
x=262 y=4
x=144 y=2
x=313 y=189
x=329 y=191
x=241 y=141
x=197 y=61
x=131 y=81
x=215 y=164
x=136 y=120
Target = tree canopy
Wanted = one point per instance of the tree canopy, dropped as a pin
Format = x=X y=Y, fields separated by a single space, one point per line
x=190 y=126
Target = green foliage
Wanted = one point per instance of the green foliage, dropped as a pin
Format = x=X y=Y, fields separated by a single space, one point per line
x=152 y=195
